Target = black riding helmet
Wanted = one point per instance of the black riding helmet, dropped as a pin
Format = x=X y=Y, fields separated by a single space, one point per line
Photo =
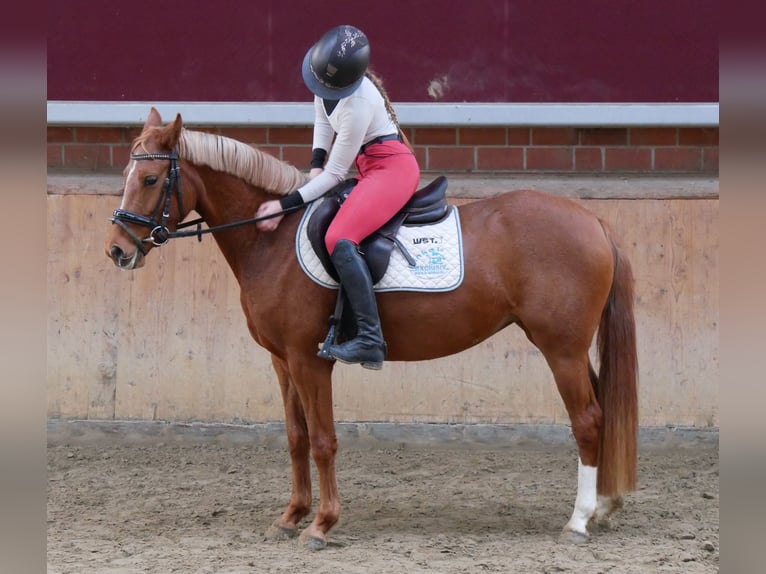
x=334 y=67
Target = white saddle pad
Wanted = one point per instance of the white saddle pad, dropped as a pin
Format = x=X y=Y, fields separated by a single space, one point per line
x=436 y=248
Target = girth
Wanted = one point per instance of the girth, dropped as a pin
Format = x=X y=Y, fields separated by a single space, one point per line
x=427 y=205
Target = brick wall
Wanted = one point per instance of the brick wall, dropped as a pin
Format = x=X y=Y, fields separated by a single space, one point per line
x=481 y=150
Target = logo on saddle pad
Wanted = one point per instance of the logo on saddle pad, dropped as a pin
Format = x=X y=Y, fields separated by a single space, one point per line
x=425 y=257
x=431 y=257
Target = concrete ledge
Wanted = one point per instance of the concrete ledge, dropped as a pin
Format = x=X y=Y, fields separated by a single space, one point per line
x=410 y=113
x=462 y=186
x=584 y=187
x=371 y=434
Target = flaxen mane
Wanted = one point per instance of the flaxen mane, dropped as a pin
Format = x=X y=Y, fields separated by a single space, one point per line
x=236 y=158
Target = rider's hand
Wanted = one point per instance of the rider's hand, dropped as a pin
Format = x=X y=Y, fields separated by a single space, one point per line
x=268 y=208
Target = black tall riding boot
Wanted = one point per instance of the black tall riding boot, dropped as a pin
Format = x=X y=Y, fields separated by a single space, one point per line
x=368 y=347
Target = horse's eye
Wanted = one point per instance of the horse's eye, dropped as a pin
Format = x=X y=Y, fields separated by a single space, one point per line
x=150 y=180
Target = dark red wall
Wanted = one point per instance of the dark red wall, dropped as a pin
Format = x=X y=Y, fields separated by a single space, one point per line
x=488 y=50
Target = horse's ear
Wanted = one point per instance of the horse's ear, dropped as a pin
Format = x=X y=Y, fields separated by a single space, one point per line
x=154 y=119
x=172 y=133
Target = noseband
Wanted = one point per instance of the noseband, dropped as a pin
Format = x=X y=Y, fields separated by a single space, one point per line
x=159 y=233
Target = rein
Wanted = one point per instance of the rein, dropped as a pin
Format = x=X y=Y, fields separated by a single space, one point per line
x=160 y=234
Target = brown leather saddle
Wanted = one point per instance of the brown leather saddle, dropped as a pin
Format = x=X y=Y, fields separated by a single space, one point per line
x=428 y=205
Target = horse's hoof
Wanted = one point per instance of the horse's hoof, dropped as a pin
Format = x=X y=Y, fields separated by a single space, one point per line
x=571 y=537
x=278 y=532
x=313 y=542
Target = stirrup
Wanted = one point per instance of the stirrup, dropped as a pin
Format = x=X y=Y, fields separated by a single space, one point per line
x=373 y=366
x=325 y=354
x=332 y=332
x=367 y=364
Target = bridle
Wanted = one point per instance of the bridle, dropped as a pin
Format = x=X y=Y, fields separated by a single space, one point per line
x=159 y=233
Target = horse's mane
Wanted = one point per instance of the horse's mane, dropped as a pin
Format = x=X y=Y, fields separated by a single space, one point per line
x=236 y=158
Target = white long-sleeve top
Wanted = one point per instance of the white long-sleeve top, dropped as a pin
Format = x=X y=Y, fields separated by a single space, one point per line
x=356 y=119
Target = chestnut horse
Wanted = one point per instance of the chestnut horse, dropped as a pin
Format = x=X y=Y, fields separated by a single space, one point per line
x=542 y=262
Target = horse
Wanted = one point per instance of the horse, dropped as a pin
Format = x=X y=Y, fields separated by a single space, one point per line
x=542 y=262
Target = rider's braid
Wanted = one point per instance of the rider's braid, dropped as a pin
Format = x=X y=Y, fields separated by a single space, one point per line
x=378 y=83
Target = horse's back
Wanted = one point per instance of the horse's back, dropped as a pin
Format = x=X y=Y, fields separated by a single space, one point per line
x=528 y=210
x=535 y=229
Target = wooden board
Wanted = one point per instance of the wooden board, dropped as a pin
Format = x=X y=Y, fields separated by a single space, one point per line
x=169 y=341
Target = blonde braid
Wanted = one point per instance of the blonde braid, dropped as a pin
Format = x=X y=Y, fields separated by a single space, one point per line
x=378 y=83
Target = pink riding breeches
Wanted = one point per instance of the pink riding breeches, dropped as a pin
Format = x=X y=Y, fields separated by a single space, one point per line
x=388 y=178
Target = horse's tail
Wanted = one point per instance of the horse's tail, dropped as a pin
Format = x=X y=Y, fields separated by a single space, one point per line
x=617 y=382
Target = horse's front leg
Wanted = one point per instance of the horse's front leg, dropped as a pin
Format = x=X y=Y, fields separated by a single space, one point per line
x=286 y=526
x=312 y=378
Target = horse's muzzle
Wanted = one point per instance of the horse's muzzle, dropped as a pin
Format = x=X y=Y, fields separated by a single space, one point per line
x=124 y=261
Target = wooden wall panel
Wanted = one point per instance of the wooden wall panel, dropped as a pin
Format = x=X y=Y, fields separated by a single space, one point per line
x=674 y=247
x=169 y=341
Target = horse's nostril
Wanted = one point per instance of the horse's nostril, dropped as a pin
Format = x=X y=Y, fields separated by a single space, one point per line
x=116 y=252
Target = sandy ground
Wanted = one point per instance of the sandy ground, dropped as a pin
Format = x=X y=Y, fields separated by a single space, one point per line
x=202 y=508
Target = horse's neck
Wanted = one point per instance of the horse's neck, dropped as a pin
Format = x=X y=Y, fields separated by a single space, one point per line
x=225 y=199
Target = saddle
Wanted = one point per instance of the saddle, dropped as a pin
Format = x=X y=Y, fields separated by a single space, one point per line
x=427 y=205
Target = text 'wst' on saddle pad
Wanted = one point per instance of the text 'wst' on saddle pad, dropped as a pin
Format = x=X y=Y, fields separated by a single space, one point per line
x=437 y=249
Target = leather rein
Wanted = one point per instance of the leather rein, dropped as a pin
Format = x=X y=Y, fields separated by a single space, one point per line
x=159 y=233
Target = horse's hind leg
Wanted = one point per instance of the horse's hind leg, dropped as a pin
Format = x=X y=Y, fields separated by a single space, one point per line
x=286 y=526
x=572 y=379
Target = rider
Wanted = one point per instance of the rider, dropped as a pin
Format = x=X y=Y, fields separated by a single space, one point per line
x=350 y=101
